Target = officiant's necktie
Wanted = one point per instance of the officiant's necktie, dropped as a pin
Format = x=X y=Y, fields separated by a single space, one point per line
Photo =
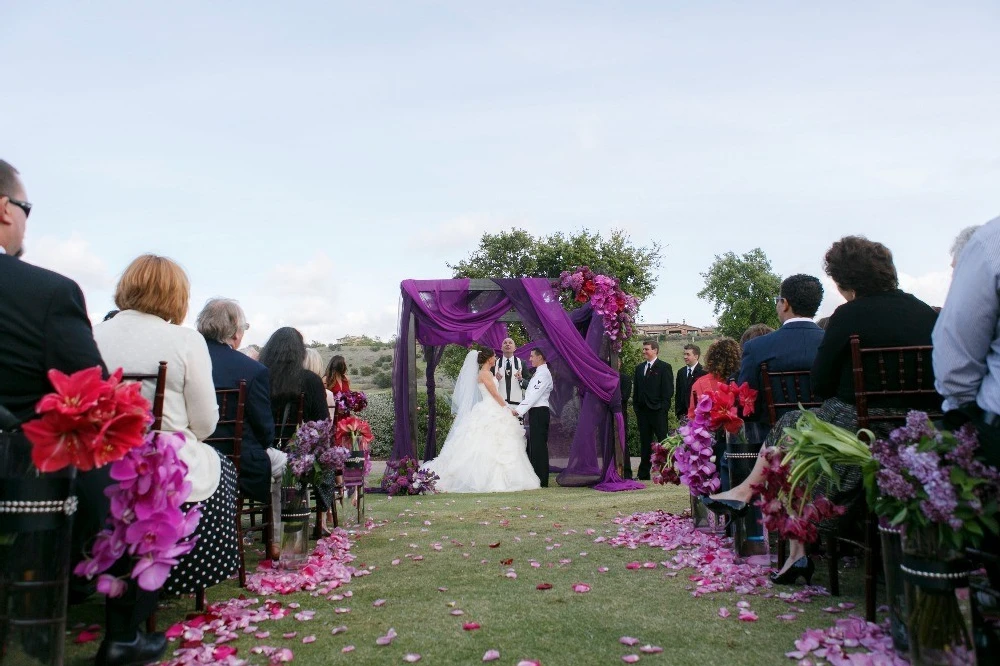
x=508 y=373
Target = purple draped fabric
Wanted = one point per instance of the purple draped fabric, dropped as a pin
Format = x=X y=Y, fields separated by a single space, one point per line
x=586 y=398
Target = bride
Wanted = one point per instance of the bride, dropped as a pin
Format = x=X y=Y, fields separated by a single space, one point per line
x=485 y=448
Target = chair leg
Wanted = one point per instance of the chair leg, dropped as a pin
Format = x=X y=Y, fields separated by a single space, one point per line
x=782 y=552
x=832 y=556
x=151 y=623
x=361 y=504
x=199 y=600
x=873 y=562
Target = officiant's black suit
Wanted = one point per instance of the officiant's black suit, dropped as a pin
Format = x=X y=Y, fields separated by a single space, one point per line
x=651 y=393
x=682 y=396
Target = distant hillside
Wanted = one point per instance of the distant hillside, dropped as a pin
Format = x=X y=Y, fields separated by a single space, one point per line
x=369 y=362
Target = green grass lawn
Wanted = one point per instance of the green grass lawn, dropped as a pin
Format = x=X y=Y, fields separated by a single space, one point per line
x=556 y=626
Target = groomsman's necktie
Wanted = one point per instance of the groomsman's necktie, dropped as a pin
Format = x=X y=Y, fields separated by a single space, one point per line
x=649 y=367
x=690 y=372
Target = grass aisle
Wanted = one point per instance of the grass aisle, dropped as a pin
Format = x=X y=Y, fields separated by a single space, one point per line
x=556 y=626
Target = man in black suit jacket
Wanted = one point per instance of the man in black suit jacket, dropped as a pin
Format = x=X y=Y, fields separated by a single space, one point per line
x=652 y=387
x=223 y=324
x=43 y=326
x=791 y=347
x=686 y=377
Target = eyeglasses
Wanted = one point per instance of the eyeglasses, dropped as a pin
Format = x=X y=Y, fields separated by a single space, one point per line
x=23 y=205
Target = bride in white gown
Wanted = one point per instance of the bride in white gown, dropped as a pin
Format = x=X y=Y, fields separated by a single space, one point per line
x=485 y=448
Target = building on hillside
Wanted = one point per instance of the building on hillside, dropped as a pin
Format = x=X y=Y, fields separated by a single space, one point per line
x=682 y=329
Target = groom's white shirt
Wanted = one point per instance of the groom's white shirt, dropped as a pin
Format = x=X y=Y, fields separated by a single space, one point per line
x=538 y=391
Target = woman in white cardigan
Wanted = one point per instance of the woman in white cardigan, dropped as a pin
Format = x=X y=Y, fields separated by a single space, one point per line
x=153 y=296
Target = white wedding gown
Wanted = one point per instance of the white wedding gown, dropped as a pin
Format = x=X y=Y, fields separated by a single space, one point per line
x=484 y=452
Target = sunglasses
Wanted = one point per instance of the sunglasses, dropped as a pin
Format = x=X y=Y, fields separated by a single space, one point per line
x=23 y=205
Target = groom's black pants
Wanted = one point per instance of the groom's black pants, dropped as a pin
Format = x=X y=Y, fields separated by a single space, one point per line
x=538 y=443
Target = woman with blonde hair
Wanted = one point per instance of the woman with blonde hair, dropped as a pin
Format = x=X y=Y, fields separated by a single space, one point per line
x=153 y=295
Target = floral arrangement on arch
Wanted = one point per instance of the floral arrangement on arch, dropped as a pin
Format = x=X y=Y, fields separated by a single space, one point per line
x=405 y=477
x=89 y=422
x=349 y=402
x=719 y=409
x=606 y=297
x=312 y=452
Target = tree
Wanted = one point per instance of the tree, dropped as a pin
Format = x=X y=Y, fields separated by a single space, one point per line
x=517 y=253
x=742 y=291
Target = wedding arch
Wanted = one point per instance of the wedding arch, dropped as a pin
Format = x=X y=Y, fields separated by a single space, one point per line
x=587 y=429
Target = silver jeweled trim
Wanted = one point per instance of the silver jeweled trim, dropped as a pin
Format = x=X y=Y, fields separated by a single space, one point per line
x=937 y=576
x=67 y=506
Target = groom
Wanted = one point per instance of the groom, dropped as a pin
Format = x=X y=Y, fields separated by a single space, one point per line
x=536 y=405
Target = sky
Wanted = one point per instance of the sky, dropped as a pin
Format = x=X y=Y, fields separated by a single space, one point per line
x=306 y=157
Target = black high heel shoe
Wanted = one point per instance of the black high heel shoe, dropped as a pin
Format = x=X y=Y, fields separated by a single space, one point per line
x=793 y=572
x=733 y=507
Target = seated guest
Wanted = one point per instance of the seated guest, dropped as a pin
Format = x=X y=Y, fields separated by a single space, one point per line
x=223 y=324
x=335 y=379
x=791 y=347
x=882 y=316
x=284 y=355
x=153 y=296
x=754 y=331
x=43 y=326
x=722 y=362
x=314 y=364
x=822 y=322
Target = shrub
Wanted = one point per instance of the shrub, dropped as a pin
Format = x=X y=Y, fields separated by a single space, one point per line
x=382 y=419
x=385 y=358
x=354 y=371
x=367 y=371
x=383 y=380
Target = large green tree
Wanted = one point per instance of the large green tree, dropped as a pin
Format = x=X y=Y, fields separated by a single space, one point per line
x=742 y=291
x=517 y=253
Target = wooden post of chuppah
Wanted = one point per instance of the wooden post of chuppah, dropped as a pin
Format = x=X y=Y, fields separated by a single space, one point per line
x=620 y=447
x=411 y=344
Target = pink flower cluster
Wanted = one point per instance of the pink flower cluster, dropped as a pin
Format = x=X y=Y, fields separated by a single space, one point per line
x=617 y=308
x=146 y=520
x=326 y=570
x=790 y=516
x=850 y=641
x=695 y=458
x=404 y=477
x=347 y=402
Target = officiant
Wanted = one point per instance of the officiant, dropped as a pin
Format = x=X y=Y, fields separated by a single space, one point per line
x=511 y=374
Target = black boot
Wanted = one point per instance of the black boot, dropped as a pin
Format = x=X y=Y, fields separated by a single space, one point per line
x=142 y=649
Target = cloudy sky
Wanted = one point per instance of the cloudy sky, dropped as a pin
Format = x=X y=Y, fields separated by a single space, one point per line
x=305 y=157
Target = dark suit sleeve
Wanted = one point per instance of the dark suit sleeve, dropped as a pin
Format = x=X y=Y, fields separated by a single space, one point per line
x=825 y=374
x=678 y=392
x=749 y=367
x=667 y=385
x=635 y=385
x=259 y=414
x=69 y=339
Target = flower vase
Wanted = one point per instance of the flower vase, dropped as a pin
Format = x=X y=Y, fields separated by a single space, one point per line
x=936 y=624
x=749 y=536
x=705 y=520
x=892 y=558
x=295 y=514
x=36 y=524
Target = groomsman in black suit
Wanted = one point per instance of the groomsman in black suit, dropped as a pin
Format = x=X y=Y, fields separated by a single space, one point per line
x=43 y=326
x=652 y=387
x=686 y=377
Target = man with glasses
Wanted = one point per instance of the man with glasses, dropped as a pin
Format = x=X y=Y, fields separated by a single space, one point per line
x=791 y=347
x=44 y=326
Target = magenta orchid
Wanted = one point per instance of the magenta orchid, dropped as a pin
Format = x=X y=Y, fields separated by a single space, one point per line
x=694 y=458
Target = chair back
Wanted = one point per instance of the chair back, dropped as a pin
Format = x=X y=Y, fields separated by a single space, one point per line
x=891 y=372
x=289 y=421
x=159 y=390
x=793 y=388
x=232 y=404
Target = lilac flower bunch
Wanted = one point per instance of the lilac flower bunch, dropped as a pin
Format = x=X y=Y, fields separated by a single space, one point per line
x=348 y=402
x=922 y=477
x=694 y=458
x=312 y=452
x=146 y=522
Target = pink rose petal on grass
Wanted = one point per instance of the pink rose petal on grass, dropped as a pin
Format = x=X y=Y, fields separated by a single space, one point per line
x=747 y=615
x=387 y=639
x=581 y=587
x=651 y=649
x=442 y=589
x=602 y=569
x=724 y=612
x=305 y=616
x=282 y=656
x=290 y=634
x=261 y=635
x=86 y=636
x=341 y=611
x=633 y=565
x=308 y=639
x=630 y=658
x=338 y=630
x=470 y=626
x=846 y=605
x=649 y=565
x=491 y=655
x=831 y=609
x=411 y=657
x=347 y=648
x=378 y=602
x=529 y=662
x=458 y=611
x=628 y=640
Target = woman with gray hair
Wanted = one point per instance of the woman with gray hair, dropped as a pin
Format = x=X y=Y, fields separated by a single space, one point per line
x=223 y=324
x=960 y=242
